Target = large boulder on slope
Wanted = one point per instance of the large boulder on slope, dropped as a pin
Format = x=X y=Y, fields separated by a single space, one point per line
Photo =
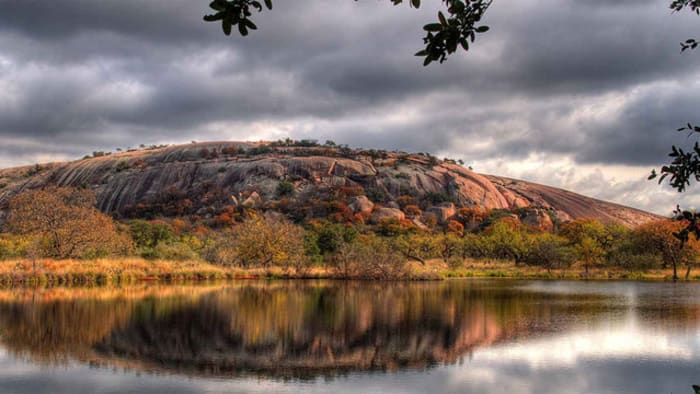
x=387 y=213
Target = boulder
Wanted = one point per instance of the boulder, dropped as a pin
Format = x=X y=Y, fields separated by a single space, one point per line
x=393 y=204
x=387 y=213
x=538 y=218
x=253 y=201
x=443 y=211
x=362 y=205
x=420 y=224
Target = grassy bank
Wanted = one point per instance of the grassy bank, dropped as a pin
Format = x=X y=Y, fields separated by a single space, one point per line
x=501 y=269
x=128 y=270
x=134 y=270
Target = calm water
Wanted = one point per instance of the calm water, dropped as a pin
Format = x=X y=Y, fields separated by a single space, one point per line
x=479 y=336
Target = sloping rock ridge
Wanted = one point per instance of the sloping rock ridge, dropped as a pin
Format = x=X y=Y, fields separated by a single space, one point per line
x=206 y=175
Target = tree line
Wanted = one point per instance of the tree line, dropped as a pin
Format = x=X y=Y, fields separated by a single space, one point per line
x=63 y=223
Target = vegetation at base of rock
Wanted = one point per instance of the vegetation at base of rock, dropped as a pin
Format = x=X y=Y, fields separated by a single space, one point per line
x=62 y=223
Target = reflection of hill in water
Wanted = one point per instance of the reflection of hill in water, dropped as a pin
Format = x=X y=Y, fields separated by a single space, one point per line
x=296 y=329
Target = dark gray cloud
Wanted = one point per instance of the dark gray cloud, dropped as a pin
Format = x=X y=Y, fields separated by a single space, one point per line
x=590 y=83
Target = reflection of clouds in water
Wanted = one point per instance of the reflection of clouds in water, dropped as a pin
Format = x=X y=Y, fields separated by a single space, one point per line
x=597 y=288
x=623 y=358
x=622 y=342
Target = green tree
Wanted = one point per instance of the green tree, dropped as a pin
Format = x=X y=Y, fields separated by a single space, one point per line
x=419 y=247
x=150 y=234
x=331 y=236
x=549 y=251
x=456 y=27
x=507 y=239
x=587 y=236
x=685 y=163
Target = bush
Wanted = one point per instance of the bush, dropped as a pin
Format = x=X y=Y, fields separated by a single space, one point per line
x=331 y=236
x=150 y=234
x=438 y=197
x=369 y=258
x=550 y=251
x=631 y=261
x=475 y=246
x=285 y=189
x=12 y=246
x=260 y=242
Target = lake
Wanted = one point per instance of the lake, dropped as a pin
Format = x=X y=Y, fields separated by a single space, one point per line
x=457 y=336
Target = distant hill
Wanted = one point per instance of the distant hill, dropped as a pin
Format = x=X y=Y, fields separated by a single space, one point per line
x=201 y=178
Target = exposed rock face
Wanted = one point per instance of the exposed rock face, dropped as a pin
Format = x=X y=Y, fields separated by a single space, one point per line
x=387 y=213
x=362 y=205
x=205 y=173
x=539 y=219
x=443 y=212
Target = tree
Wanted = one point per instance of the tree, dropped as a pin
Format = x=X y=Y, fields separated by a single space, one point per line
x=590 y=251
x=685 y=164
x=456 y=27
x=150 y=234
x=418 y=247
x=549 y=251
x=587 y=237
x=261 y=242
x=659 y=237
x=65 y=223
x=449 y=249
x=507 y=239
x=330 y=237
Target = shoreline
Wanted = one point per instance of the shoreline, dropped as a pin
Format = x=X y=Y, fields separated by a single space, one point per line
x=25 y=273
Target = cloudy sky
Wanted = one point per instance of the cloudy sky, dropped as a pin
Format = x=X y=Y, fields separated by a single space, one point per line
x=580 y=94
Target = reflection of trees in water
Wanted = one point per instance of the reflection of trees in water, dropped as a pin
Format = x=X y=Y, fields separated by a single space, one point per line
x=54 y=325
x=291 y=329
x=57 y=330
x=304 y=330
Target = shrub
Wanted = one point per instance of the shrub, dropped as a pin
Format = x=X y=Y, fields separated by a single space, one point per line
x=475 y=246
x=122 y=166
x=507 y=239
x=419 y=247
x=438 y=197
x=550 y=251
x=13 y=246
x=330 y=237
x=259 y=242
x=369 y=258
x=285 y=189
x=449 y=249
x=150 y=234
x=392 y=227
x=405 y=201
x=631 y=261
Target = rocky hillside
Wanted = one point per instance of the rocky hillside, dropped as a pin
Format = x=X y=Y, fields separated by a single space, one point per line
x=201 y=178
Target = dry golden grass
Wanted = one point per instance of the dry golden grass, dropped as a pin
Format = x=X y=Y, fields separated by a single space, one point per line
x=135 y=291
x=135 y=270
x=506 y=269
x=105 y=271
